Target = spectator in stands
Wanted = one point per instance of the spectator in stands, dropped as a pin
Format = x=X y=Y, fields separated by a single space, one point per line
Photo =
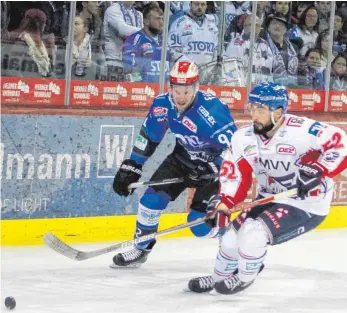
x=263 y=16
x=340 y=39
x=342 y=11
x=338 y=76
x=233 y=10
x=310 y=75
x=81 y=49
x=121 y=20
x=302 y=6
x=89 y=11
x=177 y=10
x=262 y=55
x=285 y=7
x=307 y=30
x=195 y=35
x=5 y=18
x=281 y=7
x=285 y=61
x=29 y=38
x=322 y=44
x=324 y=8
x=142 y=50
x=261 y=13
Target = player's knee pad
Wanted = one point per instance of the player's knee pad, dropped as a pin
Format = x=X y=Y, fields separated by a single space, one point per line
x=252 y=238
x=201 y=230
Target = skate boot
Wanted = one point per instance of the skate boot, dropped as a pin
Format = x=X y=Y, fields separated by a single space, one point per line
x=232 y=284
x=201 y=284
x=133 y=258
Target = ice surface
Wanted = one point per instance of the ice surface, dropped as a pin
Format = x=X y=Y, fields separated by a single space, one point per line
x=308 y=274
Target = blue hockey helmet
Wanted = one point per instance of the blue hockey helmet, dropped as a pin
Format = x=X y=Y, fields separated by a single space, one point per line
x=272 y=95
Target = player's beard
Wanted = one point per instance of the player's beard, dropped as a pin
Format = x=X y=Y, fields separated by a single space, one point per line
x=154 y=31
x=263 y=129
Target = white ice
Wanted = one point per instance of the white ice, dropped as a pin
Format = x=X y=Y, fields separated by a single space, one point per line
x=308 y=274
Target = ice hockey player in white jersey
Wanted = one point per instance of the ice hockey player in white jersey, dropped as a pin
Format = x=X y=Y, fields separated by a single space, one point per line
x=283 y=151
x=195 y=35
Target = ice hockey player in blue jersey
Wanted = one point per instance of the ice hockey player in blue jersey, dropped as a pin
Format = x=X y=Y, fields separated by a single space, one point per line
x=142 y=50
x=203 y=128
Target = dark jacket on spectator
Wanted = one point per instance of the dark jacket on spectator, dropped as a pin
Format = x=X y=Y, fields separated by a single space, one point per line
x=310 y=78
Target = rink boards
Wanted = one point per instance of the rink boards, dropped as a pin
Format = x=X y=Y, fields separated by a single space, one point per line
x=105 y=228
x=60 y=178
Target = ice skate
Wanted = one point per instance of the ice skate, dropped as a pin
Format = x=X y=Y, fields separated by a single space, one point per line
x=200 y=284
x=232 y=284
x=133 y=258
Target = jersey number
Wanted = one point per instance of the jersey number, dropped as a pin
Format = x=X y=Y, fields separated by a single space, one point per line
x=223 y=138
x=334 y=142
x=175 y=40
x=228 y=170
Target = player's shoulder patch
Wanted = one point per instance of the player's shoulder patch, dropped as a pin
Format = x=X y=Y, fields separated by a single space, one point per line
x=295 y=121
x=159 y=109
x=316 y=128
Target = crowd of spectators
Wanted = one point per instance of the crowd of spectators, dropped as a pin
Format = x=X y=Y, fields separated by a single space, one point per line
x=122 y=40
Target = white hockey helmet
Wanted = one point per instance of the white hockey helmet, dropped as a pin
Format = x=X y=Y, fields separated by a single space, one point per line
x=184 y=73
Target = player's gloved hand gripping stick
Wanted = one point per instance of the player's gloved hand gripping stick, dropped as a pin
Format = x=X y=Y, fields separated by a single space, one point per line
x=61 y=247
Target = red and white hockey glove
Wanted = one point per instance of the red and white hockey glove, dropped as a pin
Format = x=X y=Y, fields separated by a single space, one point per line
x=218 y=216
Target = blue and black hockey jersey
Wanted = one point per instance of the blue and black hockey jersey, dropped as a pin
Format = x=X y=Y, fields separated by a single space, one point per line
x=202 y=132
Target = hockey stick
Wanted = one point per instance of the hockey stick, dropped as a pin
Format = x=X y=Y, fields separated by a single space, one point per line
x=167 y=181
x=61 y=247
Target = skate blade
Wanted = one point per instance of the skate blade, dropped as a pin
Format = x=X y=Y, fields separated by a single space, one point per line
x=131 y=266
x=186 y=289
x=214 y=293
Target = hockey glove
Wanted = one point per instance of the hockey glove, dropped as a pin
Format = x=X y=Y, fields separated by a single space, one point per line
x=194 y=178
x=310 y=176
x=218 y=216
x=129 y=172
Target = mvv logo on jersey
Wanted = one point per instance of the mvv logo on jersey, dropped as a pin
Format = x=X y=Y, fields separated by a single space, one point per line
x=115 y=144
x=285 y=149
x=187 y=122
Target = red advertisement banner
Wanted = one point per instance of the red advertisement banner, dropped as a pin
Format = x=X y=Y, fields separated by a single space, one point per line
x=29 y=91
x=234 y=97
x=112 y=94
x=337 y=101
x=306 y=100
x=84 y=93
x=128 y=95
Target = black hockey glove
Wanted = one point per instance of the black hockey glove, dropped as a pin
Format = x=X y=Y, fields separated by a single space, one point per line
x=195 y=177
x=129 y=172
x=310 y=176
x=217 y=218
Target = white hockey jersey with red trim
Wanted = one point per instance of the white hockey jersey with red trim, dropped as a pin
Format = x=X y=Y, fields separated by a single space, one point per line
x=275 y=162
